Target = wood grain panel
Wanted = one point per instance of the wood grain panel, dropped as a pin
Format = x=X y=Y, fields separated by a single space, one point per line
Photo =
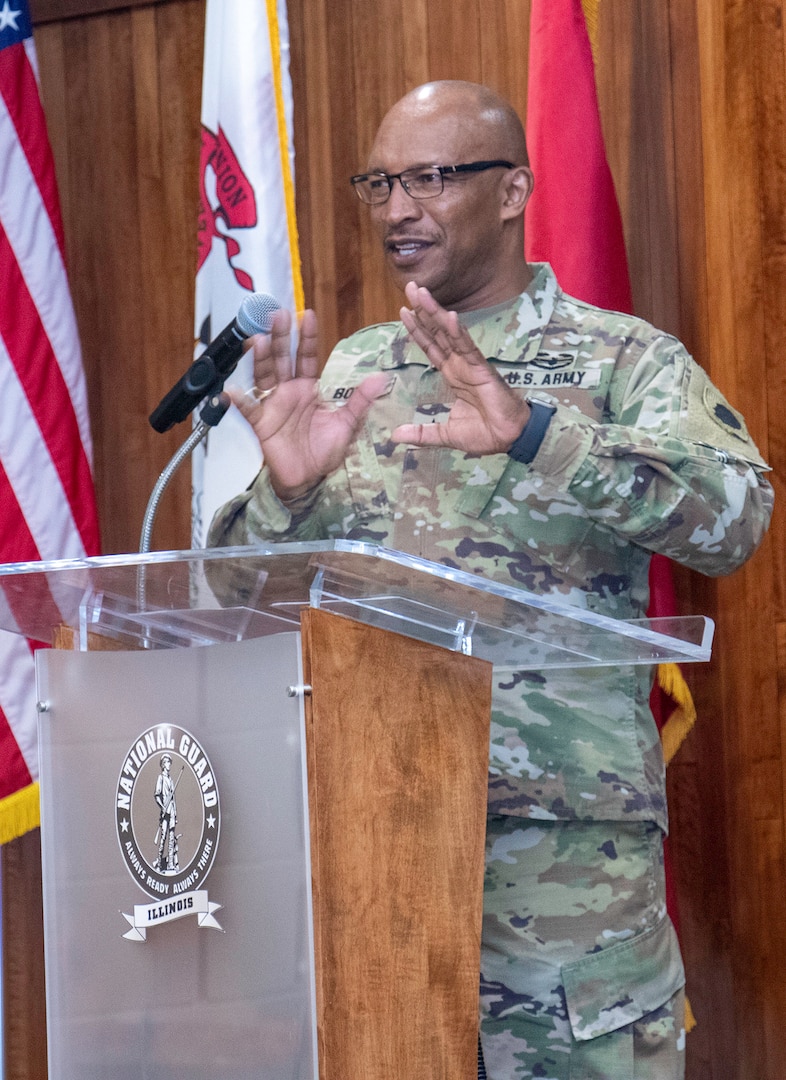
x=127 y=87
x=44 y=11
x=24 y=1009
x=397 y=735
x=740 y=983
x=689 y=269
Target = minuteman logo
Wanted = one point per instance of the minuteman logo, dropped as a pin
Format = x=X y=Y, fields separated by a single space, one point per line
x=168 y=817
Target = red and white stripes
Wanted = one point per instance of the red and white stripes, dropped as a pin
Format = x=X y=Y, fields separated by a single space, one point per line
x=47 y=503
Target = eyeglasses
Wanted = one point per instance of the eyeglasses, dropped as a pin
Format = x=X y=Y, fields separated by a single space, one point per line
x=422 y=182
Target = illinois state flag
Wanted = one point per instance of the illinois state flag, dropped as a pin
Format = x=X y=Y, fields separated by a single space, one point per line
x=247 y=229
x=47 y=504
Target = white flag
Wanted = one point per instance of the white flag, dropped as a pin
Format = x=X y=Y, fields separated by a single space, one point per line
x=247 y=230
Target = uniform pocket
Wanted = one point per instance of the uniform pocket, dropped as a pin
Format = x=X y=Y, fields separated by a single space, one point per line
x=366 y=482
x=618 y=985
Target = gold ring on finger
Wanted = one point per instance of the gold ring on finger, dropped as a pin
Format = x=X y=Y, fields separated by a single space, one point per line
x=258 y=395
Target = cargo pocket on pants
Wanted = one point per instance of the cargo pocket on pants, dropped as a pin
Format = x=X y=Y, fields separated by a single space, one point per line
x=618 y=985
x=612 y=989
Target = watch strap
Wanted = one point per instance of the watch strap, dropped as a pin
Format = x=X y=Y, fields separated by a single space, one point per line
x=528 y=443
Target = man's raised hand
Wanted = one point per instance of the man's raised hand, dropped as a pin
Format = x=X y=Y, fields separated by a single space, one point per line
x=487 y=416
x=302 y=438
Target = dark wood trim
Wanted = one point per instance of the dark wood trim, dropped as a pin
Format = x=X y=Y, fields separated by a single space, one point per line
x=47 y=11
x=24 y=983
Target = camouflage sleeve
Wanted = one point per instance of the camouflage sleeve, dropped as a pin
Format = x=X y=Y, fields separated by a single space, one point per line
x=258 y=515
x=670 y=467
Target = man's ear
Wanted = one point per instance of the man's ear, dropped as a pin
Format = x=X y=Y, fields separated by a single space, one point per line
x=517 y=188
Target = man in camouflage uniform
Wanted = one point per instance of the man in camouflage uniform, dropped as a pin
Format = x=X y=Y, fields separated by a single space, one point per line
x=511 y=431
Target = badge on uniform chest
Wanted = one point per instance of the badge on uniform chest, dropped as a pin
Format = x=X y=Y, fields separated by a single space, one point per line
x=550 y=369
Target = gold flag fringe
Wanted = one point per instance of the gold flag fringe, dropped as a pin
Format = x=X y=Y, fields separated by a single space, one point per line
x=673 y=732
x=591 y=18
x=19 y=813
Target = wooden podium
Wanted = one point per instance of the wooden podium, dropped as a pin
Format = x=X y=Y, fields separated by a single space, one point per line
x=324 y=710
x=397 y=767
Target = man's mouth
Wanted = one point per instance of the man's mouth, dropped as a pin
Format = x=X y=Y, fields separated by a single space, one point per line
x=406 y=250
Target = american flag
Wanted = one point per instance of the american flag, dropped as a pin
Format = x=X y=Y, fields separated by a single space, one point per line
x=47 y=502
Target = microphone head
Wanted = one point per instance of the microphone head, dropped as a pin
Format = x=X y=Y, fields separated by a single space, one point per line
x=256 y=314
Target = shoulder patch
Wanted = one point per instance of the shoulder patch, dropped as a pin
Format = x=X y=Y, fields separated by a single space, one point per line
x=723 y=414
x=714 y=422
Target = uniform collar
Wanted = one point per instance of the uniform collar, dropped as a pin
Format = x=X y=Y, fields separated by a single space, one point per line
x=511 y=330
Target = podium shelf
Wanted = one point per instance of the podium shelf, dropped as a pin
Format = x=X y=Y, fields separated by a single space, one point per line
x=184 y=599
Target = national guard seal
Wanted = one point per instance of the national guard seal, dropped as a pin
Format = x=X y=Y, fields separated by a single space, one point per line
x=168 y=817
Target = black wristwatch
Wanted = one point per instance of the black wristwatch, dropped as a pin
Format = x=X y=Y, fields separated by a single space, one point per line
x=528 y=443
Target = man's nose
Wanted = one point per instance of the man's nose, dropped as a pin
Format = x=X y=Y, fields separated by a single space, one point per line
x=400 y=206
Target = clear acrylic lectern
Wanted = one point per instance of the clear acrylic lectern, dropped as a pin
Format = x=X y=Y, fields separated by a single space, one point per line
x=263 y=858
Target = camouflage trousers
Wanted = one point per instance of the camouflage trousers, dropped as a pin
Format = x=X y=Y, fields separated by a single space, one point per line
x=581 y=975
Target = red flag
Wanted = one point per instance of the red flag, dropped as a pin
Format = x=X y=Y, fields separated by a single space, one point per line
x=47 y=502
x=573 y=218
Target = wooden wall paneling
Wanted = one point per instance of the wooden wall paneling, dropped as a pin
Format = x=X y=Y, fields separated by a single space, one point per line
x=615 y=60
x=504 y=49
x=24 y=996
x=746 y=673
x=116 y=334
x=101 y=226
x=166 y=40
x=312 y=91
x=649 y=97
x=297 y=71
x=730 y=50
x=691 y=270
x=652 y=173
x=44 y=11
x=733 y=197
x=770 y=158
x=415 y=25
x=697 y=801
x=383 y=33
x=97 y=211
x=700 y=836
x=131 y=225
x=777 y=872
x=454 y=34
x=699 y=862
x=346 y=44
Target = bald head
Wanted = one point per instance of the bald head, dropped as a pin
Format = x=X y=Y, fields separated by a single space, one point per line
x=489 y=118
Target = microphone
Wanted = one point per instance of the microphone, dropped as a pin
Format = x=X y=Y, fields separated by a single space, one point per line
x=208 y=372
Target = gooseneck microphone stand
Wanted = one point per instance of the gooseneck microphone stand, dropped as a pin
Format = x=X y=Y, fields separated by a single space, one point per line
x=203 y=382
x=212 y=413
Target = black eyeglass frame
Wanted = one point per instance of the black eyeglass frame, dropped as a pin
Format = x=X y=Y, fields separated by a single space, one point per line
x=443 y=170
